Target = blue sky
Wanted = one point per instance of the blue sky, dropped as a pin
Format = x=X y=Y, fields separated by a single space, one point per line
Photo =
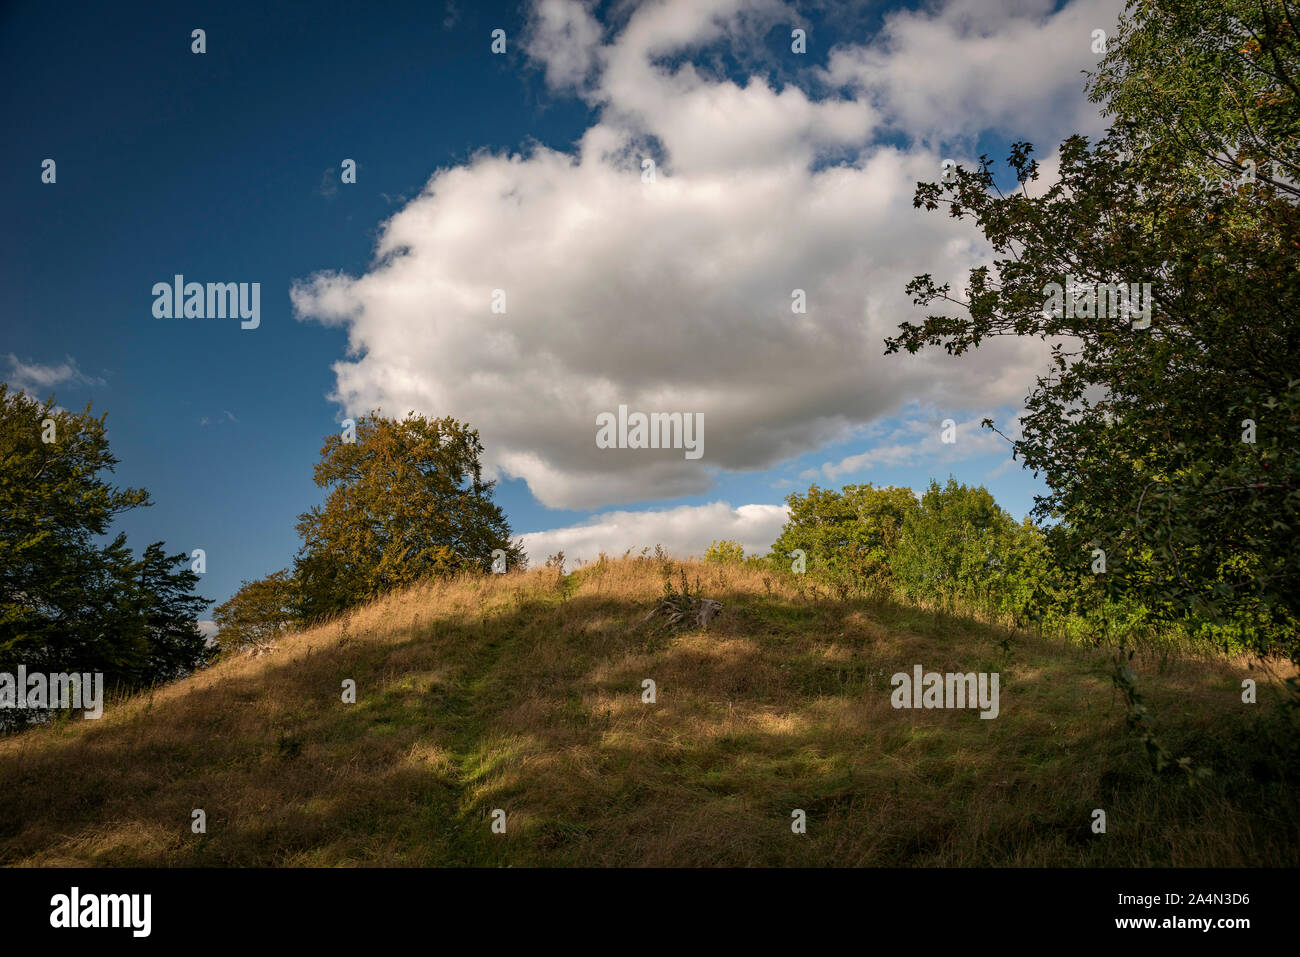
x=224 y=166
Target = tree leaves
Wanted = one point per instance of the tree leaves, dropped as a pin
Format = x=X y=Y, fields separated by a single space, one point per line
x=1138 y=431
x=67 y=602
x=406 y=501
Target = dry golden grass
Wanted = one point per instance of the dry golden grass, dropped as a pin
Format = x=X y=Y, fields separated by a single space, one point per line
x=523 y=692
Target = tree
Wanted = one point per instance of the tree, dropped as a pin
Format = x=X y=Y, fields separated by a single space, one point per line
x=258 y=613
x=170 y=611
x=725 y=552
x=960 y=546
x=1214 y=80
x=68 y=603
x=1139 y=427
x=406 y=501
x=846 y=536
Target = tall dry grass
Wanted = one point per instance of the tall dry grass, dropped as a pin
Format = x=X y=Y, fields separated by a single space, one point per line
x=524 y=692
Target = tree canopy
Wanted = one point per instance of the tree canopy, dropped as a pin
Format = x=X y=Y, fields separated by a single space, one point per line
x=258 y=613
x=406 y=501
x=68 y=600
x=1170 y=444
x=846 y=536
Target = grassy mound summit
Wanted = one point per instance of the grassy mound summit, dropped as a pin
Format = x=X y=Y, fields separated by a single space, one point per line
x=524 y=692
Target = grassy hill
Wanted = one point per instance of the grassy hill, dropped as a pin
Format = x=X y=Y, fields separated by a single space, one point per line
x=523 y=692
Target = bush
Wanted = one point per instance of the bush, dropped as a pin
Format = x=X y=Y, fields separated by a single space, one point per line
x=847 y=537
x=725 y=552
x=959 y=546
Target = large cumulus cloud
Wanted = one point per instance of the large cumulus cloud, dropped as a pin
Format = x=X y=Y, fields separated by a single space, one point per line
x=676 y=295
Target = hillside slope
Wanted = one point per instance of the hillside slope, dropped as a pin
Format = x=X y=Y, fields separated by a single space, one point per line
x=524 y=693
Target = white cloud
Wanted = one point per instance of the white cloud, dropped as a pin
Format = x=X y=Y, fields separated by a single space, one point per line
x=452 y=16
x=922 y=441
x=970 y=66
x=1008 y=464
x=682 y=531
x=675 y=296
x=38 y=380
x=715 y=125
x=229 y=417
x=564 y=37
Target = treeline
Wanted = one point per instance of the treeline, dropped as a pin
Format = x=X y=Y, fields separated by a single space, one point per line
x=1168 y=437
x=957 y=550
x=70 y=601
x=406 y=501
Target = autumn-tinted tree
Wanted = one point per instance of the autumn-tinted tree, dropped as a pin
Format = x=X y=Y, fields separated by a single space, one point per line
x=258 y=613
x=406 y=501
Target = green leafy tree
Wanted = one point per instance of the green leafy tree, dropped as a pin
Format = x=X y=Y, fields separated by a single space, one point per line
x=53 y=506
x=406 y=501
x=1211 y=81
x=846 y=536
x=725 y=552
x=68 y=602
x=959 y=546
x=1139 y=431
